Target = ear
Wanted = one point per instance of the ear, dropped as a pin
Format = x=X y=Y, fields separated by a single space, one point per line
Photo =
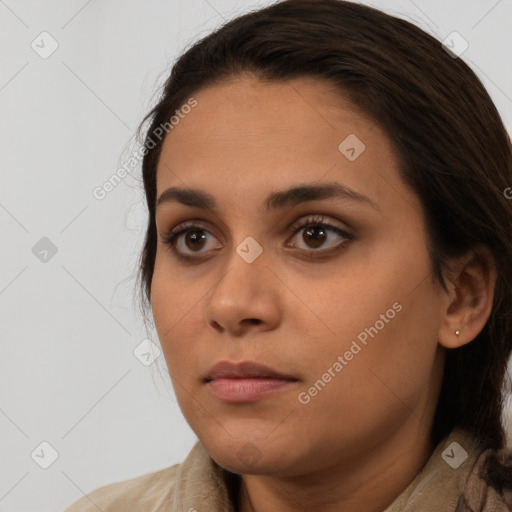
x=470 y=299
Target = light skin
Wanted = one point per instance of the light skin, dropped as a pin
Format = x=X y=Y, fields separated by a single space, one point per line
x=361 y=440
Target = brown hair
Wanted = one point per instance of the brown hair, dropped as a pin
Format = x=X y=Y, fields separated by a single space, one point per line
x=453 y=150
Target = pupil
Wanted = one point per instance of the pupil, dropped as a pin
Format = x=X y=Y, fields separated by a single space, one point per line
x=196 y=239
x=318 y=239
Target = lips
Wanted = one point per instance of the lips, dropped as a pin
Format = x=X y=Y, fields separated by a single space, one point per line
x=243 y=370
x=236 y=383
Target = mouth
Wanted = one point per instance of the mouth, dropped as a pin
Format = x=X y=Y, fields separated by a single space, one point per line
x=248 y=389
x=245 y=382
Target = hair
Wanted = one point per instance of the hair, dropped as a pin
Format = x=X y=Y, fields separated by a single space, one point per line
x=453 y=151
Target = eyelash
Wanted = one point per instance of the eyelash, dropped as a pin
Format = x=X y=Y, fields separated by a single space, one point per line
x=312 y=221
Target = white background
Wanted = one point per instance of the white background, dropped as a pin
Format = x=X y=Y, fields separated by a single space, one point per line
x=68 y=375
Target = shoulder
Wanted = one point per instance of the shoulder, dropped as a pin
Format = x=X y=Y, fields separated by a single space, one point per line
x=489 y=486
x=196 y=480
x=145 y=492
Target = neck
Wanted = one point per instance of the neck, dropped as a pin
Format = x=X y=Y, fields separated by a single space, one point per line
x=371 y=483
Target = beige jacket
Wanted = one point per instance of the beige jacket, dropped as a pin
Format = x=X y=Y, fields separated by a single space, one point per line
x=449 y=482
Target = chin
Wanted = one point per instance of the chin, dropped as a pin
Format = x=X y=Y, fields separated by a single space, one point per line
x=247 y=459
x=248 y=455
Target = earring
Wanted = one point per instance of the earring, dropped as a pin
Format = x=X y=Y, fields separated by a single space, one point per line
x=457 y=332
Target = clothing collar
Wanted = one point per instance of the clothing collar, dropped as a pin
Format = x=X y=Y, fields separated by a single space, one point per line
x=201 y=484
x=442 y=479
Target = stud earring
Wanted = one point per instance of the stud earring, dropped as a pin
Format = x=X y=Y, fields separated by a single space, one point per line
x=457 y=332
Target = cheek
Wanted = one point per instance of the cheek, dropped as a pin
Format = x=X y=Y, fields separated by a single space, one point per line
x=380 y=383
x=385 y=335
x=162 y=304
x=176 y=308
x=167 y=309
x=169 y=295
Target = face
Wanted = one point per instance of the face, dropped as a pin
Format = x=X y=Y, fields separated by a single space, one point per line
x=333 y=291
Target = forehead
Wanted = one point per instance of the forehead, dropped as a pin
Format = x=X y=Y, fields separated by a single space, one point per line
x=256 y=136
x=253 y=111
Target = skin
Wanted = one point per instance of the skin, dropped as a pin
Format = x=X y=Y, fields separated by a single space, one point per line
x=362 y=439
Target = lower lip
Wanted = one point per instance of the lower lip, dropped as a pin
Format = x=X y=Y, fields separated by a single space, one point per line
x=246 y=390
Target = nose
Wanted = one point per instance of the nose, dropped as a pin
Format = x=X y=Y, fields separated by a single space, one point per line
x=245 y=298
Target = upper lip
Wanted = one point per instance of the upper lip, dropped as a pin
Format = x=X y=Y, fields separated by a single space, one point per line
x=245 y=369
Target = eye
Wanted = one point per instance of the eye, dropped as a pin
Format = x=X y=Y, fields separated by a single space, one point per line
x=317 y=234
x=192 y=236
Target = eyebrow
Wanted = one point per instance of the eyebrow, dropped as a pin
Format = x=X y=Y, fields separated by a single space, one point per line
x=275 y=200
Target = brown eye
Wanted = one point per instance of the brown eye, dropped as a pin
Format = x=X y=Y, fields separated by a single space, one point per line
x=187 y=239
x=315 y=236
x=319 y=232
x=195 y=239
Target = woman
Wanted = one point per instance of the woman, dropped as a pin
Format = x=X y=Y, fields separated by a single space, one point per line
x=327 y=265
